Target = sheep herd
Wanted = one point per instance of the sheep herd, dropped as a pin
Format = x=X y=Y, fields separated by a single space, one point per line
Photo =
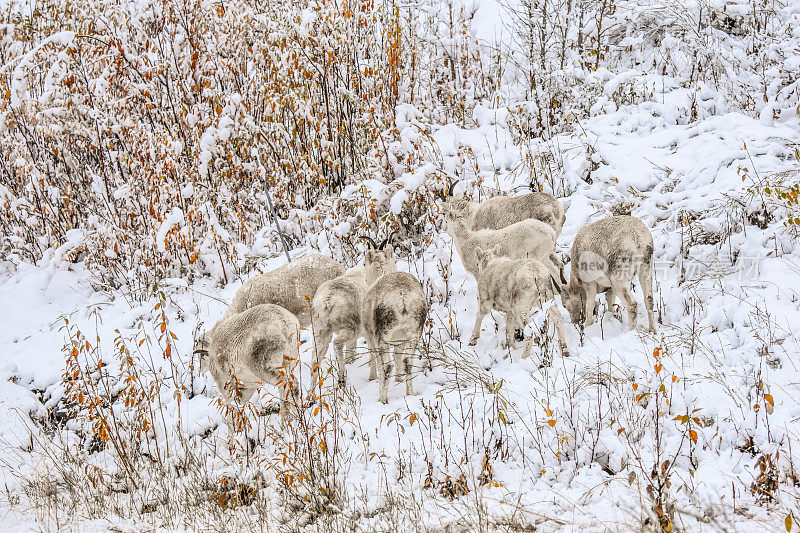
x=507 y=243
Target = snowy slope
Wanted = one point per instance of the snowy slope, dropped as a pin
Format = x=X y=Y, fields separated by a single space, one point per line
x=576 y=445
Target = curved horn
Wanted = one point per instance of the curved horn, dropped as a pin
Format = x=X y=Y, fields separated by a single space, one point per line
x=451 y=187
x=387 y=240
x=370 y=242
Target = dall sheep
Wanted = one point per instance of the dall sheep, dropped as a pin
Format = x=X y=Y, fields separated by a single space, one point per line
x=337 y=306
x=501 y=211
x=605 y=257
x=393 y=315
x=531 y=238
x=258 y=345
x=291 y=286
x=515 y=287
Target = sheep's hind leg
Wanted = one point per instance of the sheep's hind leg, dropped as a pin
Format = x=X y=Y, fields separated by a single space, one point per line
x=409 y=351
x=373 y=352
x=397 y=355
x=321 y=342
x=622 y=288
x=385 y=363
x=611 y=300
x=343 y=338
x=513 y=331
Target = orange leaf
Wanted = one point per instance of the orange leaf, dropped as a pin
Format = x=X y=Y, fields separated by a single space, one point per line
x=551 y=422
x=788 y=522
x=693 y=435
x=769 y=399
x=658 y=367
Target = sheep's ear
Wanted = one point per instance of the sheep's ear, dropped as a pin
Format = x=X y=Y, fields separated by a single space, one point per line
x=390 y=249
x=480 y=254
x=369 y=256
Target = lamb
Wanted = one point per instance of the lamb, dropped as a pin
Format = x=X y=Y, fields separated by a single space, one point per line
x=292 y=286
x=258 y=345
x=337 y=305
x=515 y=287
x=393 y=314
x=529 y=238
x=502 y=211
x=605 y=257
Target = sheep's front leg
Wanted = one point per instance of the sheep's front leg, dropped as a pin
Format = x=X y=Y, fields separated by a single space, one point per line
x=385 y=362
x=646 y=281
x=555 y=317
x=591 y=293
x=483 y=310
x=512 y=327
x=289 y=399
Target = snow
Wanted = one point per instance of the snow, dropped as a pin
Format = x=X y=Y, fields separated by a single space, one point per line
x=727 y=306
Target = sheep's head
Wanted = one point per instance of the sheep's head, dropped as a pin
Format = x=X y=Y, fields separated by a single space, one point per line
x=454 y=220
x=573 y=298
x=485 y=257
x=201 y=347
x=378 y=262
x=458 y=205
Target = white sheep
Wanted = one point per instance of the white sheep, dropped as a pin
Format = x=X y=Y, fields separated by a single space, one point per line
x=529 y=238
x=501 y=211
x=393 y=315
x=291 y=286
x=605 y=257
x=258 y=345
x=515 y=287
x=337 y=306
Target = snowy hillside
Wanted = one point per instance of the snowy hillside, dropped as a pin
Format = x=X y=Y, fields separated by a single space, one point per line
x=137 y=141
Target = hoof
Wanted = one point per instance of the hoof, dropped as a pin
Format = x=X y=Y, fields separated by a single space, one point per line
x=473 y=342
x=519 y=335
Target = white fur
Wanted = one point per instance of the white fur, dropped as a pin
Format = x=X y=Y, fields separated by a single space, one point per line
x=393 y=316
x=258 y=345
x=515 y=287
x=291 y=286
x=606 y=256
x=337 y=306
x=528 y=239
x=501 y=211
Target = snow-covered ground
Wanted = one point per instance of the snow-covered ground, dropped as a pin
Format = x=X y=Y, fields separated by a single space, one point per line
x=701 y=411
